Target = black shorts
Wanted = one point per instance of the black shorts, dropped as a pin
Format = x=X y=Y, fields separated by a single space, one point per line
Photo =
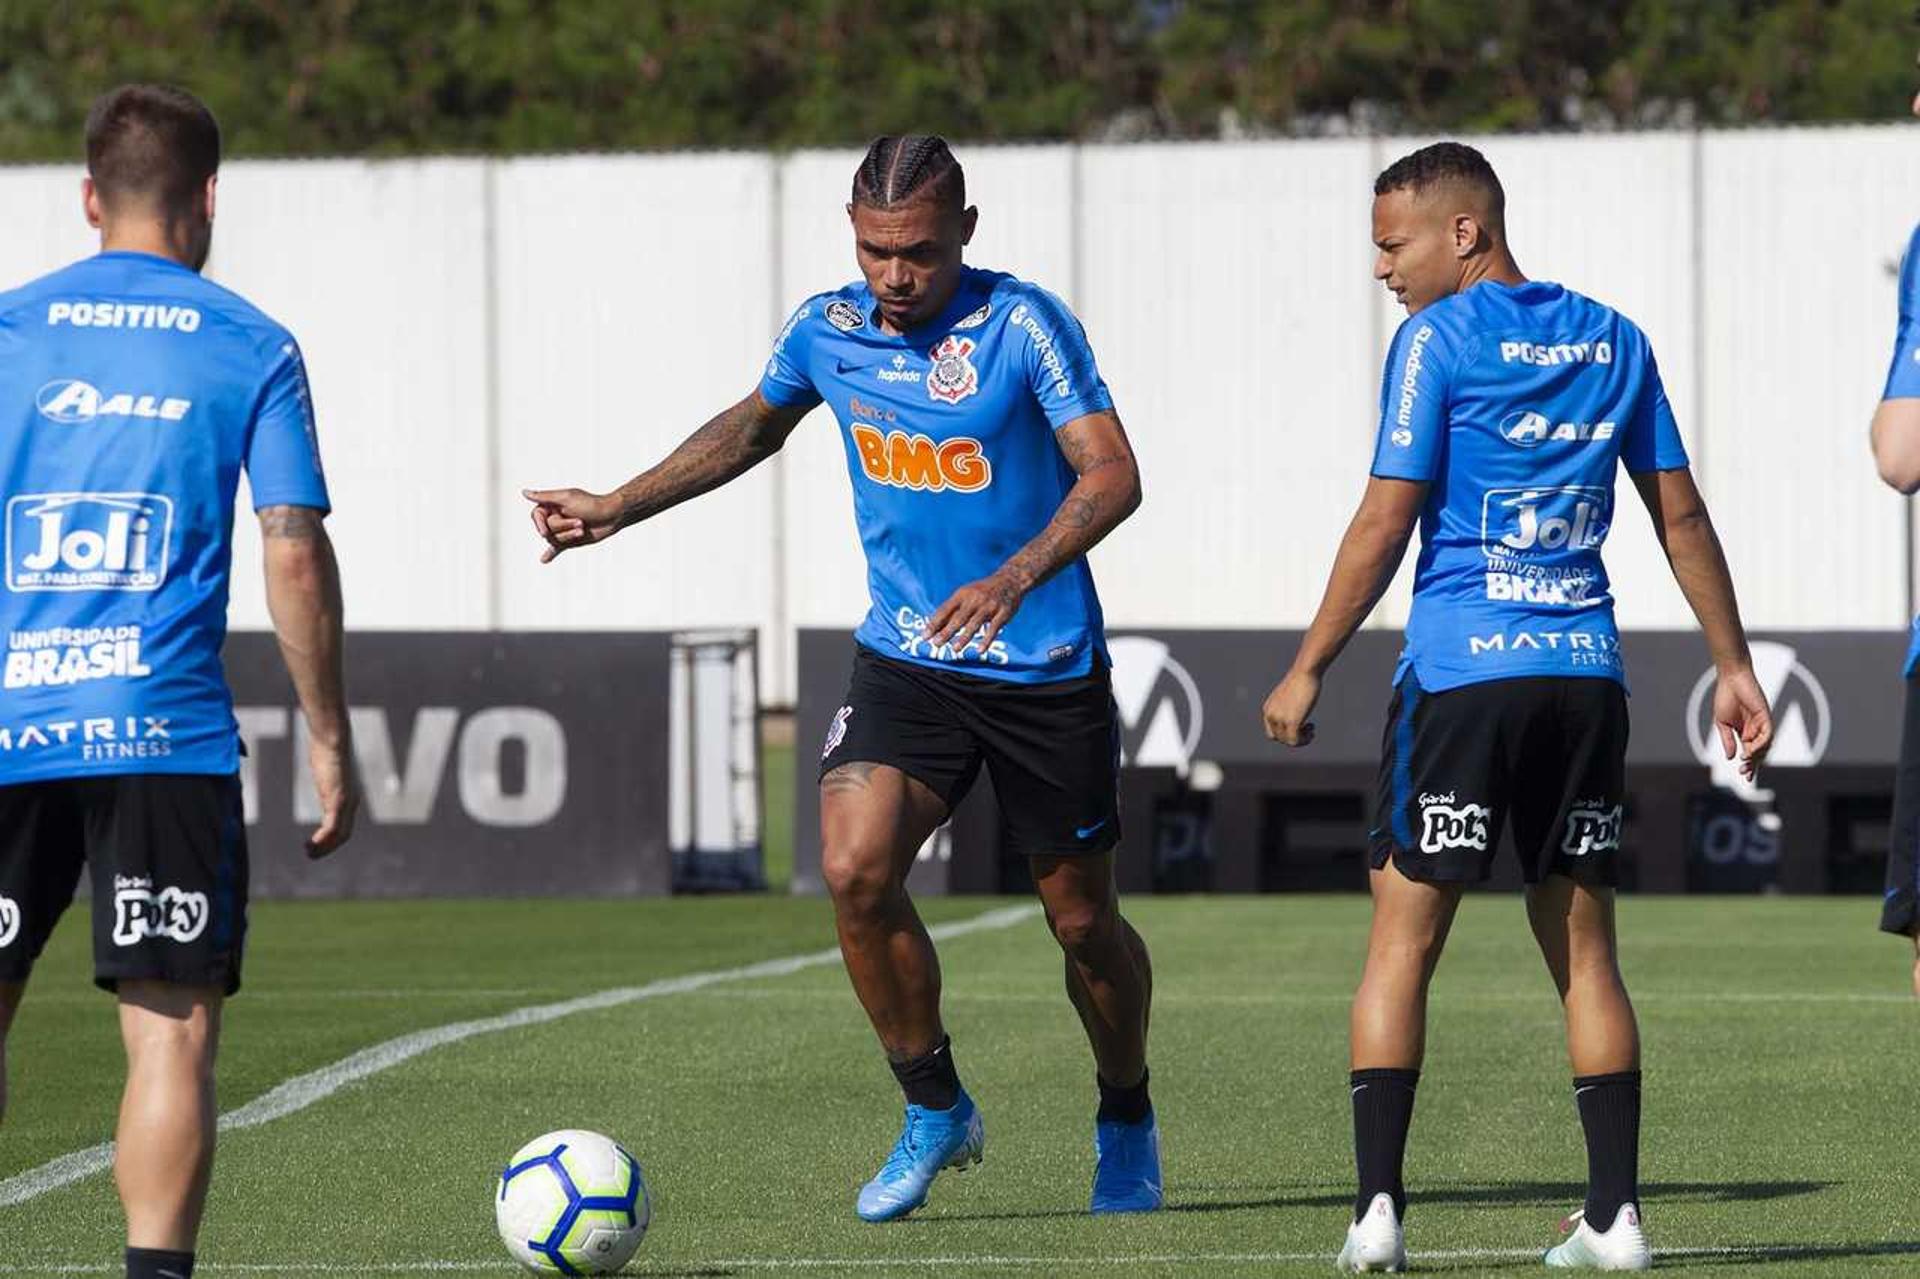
x=1900 y=906
x=1549 y=752
x=1052 y=750
x=168 y=855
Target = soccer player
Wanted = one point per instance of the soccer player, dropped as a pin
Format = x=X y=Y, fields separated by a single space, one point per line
x=1507 y=405
x=1896 y=452
x=986 y=460
x=132 y=394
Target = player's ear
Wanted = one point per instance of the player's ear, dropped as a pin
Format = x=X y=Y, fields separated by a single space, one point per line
x=213 y=183
x=1466 y=235
x=969 y=219
x=90 y=202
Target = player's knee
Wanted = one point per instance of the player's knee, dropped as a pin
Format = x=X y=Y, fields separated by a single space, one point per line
x=859 y=882
x=1083 y=929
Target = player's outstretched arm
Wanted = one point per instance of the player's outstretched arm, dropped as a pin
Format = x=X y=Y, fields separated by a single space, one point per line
x=1686 y=534
x=1369 y=555
x=1106 y=492
x=1896 y=443
x=303 y=597
x=734 y=442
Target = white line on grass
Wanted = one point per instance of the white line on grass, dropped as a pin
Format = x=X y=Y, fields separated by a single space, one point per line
x=296 y=1094
x=680 y=1265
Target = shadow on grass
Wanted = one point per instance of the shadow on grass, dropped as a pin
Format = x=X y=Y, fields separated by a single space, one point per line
x=1761 y=1254
x=1565 y=1195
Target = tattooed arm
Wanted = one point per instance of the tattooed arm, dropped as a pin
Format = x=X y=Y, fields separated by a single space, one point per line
x=303 y=598
x=733 y=443
x=1107 y=491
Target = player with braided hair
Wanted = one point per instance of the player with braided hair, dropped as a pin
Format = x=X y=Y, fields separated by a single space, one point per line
x=986 y=460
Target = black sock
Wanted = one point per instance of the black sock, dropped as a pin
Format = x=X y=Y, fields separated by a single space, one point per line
x=158 y=1263
x=1610 y=1114
x=931 y=1080
x=1123 y=1105
x=1382 y=1113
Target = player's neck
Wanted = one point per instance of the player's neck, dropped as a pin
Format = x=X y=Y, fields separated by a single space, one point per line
x=1496 y=266
x=160 y=239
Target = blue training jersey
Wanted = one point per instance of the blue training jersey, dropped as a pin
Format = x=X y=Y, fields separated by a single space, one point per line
x=1903 y=375
x=1515 y=403
x=948 y=432
x=132 y=393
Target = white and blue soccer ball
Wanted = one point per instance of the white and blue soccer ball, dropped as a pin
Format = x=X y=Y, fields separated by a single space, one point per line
x=572 y=1203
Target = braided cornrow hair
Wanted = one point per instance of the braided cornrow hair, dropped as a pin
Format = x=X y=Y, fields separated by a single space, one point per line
x=904 y=167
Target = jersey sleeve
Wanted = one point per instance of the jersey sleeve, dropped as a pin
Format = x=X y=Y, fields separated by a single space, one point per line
x=1056 y=357
x=1903 y=375
x=1414 y=399
x=283 y=455
x=1651 y=441
x=787 y=382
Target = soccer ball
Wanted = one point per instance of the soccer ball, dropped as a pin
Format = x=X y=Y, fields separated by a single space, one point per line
x=572 y=1203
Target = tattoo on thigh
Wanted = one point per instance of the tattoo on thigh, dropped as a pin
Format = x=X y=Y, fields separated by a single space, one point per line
x=855 y=776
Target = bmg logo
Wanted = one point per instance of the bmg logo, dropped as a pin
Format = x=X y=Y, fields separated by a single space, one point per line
x=88 y=541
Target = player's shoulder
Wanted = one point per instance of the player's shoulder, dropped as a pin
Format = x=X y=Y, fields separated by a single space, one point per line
x=1014 y=300
x=243 y=315
x=841 y=310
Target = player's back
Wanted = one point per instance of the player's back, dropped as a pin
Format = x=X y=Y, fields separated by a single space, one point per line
x=132 y=394
x=1543 y=392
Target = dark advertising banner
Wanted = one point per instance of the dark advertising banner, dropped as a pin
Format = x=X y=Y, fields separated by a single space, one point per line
x=491 y=765
x=1220 y=806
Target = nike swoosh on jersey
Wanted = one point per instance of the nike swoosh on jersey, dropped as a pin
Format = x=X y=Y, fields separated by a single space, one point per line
x=1088 y=832
x=841 y=366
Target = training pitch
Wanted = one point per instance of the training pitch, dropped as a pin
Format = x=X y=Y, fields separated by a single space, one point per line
x=425 y=1041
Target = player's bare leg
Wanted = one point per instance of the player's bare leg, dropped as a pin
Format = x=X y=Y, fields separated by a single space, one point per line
x=1574 y=925
x=1411 y=919
x=1109 y=977
x=163 y=1153
x=10 y=993
x=873 y=820
x=1110 y=983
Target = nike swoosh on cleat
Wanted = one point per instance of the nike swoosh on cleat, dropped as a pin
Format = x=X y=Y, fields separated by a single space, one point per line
x=1088 y=832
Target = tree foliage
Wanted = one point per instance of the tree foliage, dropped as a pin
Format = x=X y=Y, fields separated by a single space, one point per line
x=373 y=77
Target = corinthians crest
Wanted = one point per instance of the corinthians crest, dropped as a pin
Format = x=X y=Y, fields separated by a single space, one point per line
x=953 y=377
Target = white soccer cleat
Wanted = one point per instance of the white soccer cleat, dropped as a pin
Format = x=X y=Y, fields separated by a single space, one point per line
x=1374 y=1243
x=1623 y=1247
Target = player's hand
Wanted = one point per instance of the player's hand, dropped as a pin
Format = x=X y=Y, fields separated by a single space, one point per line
x=977 y=611
x=566 y=518
x=1740 y=713
x=338 y=788
x=1289 y=708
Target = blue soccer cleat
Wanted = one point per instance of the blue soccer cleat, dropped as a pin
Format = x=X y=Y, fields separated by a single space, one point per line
x=929 y=1141
x=1126 y=1175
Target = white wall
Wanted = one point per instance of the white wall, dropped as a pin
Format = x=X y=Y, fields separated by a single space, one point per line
x=472 y=327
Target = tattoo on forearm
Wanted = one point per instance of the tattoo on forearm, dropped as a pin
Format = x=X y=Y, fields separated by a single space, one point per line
x=1078 y=512
x=294 y=523
x=728 y=444
x=856 y=776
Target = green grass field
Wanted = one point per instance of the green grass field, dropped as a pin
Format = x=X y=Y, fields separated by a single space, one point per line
x=1781 y=1048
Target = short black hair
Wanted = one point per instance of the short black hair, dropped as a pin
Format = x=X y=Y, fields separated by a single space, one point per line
x=1445 y=162
x=151 y=143
x=899 y=168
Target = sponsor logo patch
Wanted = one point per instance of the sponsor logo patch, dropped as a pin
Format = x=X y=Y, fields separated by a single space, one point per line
x=88 y=541
x=974 y=319
x=918 y=462
x=123 y=315
x=1022 y=318
x=1527 y=428
x=915 y=642
x=1446 y=824
x=64 y=655
x=101 y=739
x=845 y=316
x=899 y=372
x=1410 y=375
x=953 y=378
x=1592 y=827
x=169 y=914
x=1528 y=535
x=71 y=401
x=1548 y=354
